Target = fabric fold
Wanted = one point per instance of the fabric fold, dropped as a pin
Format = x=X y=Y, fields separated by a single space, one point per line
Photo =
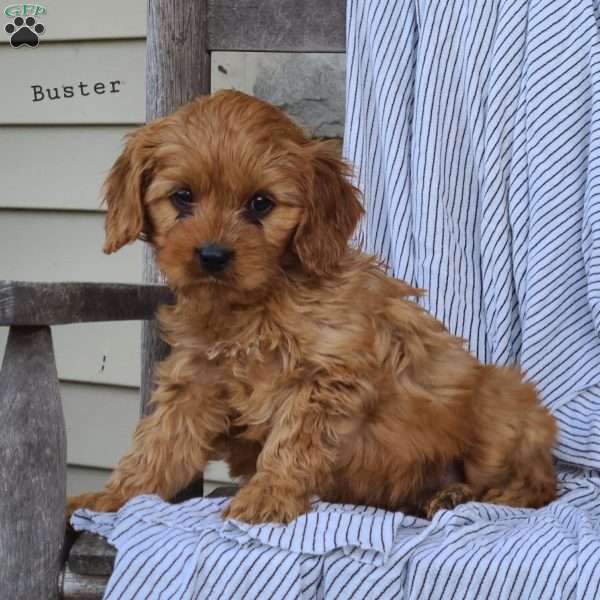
x=187 y=551
x=362 y=533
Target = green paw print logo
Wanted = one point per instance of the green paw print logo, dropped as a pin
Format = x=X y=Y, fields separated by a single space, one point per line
x=24 y=30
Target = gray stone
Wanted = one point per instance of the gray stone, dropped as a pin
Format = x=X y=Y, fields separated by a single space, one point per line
x=309 y=87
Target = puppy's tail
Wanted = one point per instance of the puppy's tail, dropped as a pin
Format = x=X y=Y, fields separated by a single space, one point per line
x=510 y=460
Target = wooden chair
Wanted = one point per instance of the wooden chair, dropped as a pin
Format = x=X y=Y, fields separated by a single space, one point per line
x=36 y=562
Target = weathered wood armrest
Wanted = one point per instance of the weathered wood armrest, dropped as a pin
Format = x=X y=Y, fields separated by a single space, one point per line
x=32 y=429
x=36 y=303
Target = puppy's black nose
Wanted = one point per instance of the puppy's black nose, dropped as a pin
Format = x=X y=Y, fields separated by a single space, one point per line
x=213 y=257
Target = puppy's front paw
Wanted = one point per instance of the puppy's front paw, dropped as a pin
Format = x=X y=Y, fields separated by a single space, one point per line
x=99 y=501
x=261 y=502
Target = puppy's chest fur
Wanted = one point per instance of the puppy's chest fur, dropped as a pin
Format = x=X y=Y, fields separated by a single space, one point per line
x=355 y=340
x=249 y=377
x=255 y=360
x=240 y=361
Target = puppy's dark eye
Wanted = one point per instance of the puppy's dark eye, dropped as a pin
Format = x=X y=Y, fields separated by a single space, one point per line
x=259 y=206
x=182 y=200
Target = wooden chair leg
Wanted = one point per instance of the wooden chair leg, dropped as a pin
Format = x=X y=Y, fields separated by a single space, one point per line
x=32 y=467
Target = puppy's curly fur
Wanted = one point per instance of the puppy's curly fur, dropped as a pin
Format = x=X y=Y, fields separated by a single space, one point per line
x=302 y=364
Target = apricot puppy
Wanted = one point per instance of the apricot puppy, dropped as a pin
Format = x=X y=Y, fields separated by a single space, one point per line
x=294 y=357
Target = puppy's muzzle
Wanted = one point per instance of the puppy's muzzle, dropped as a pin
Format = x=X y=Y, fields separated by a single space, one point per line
x=213 y=258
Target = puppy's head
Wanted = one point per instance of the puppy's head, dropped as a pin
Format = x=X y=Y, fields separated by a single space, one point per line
x=230 y=193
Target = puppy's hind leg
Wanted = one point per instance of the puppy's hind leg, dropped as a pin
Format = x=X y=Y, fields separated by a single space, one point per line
x=447 y=499
x=510 y=459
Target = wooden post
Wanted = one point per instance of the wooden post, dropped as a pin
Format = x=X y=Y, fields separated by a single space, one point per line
x=32 y=467
x=177 y=70
x=177 y=59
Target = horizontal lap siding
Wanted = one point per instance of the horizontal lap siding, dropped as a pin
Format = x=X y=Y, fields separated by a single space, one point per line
x=54 y=155
x=62 y=246
x=100 y=420
x=116 y=67
x=103 y=353
x=57 y=167
x=84 y=20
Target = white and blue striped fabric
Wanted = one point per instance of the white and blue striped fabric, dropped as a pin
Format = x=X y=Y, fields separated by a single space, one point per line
x=474 y=126
x=342 y=552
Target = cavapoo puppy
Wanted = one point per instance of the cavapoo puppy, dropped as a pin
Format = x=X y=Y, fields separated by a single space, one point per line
x=294 y=357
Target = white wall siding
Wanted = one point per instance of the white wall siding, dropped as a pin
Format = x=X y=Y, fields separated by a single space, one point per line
x=56 y=166
x=116 y=69
x=83 y=19
x=66 y=246
x=54 y=155
x=62 y=246
x=100 y=420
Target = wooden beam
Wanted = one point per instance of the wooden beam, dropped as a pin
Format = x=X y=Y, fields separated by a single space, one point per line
x=177 y=58
x=277 y=25
x=32 y=467
x=82 y=587
x=29 y=303
x=91 y=554
x=177 y=70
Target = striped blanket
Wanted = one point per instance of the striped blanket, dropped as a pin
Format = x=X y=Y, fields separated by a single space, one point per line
x=474 y=126
x=343 y=552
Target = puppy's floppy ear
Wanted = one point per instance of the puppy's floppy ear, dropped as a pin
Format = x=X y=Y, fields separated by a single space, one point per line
x=332 y=212
x=123 y=193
